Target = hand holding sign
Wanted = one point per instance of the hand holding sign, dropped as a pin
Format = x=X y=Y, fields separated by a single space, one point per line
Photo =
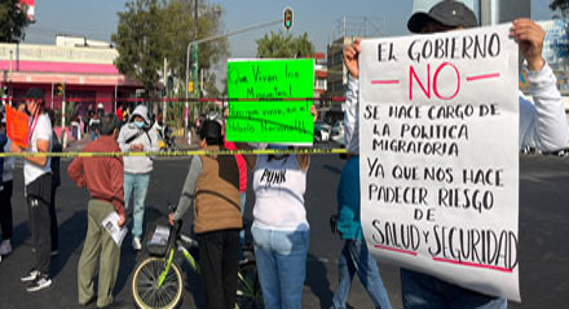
x=531 y=39
x=351 y=53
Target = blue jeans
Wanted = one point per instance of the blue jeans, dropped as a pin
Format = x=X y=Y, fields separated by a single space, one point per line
x=424 y=291
x=137 y=184
x=281 y=258
x=355 y=258
x=94 y=136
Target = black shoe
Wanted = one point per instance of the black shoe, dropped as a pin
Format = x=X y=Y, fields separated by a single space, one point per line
x=116 y=304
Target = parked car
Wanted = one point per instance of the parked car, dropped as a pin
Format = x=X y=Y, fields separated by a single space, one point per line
x=337 y=133
x=322 y=132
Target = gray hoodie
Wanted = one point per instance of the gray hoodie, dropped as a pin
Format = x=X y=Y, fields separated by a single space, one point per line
x=146 y=136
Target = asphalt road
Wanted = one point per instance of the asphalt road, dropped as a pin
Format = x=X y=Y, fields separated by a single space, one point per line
x=543 y=239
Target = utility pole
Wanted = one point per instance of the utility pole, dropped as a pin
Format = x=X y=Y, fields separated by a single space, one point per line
x=10 y=91
x=164 y=84
x=213 y=38
x=63 y=131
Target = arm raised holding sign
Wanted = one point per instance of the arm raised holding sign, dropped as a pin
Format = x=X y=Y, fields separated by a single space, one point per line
x=542 y=124
x=351 y=54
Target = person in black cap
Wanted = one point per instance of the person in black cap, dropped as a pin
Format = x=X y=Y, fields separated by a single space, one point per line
x=37 y=178
x=212 y=184
x=542 y=126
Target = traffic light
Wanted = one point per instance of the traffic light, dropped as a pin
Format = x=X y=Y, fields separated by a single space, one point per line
x=288 y=18
x=60 y=89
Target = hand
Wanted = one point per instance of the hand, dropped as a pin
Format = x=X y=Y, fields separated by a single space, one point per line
x=122 y=220
x=530 y=37
x=351 y=53
x=171 y=219
x=314 y=113
x=14 y=148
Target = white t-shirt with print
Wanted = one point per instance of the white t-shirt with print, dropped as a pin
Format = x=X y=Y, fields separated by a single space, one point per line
x=42 y=131
x=279 y=187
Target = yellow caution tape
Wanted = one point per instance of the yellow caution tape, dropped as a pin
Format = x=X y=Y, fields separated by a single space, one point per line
x=300 y=151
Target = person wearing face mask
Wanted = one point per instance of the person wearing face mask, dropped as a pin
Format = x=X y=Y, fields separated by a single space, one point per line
x=37 y=178
x=136 y=136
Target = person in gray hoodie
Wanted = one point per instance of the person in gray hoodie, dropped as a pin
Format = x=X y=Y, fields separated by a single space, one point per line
x=137 y=136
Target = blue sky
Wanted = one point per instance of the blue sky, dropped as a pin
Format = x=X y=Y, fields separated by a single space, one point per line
x=98 y=19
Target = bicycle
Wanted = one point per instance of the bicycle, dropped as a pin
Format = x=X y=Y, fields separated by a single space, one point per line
x=158 y=280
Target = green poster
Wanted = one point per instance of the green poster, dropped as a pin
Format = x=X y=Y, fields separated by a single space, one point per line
x=270 y=121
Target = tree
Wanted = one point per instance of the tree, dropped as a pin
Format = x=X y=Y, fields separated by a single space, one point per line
x=139 y=44
x=150 y=31
x=177 y=29
x=14 y=19
x=281 y=45
x=561 y=5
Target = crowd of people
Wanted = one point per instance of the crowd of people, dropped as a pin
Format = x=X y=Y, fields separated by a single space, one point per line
x=215 y=188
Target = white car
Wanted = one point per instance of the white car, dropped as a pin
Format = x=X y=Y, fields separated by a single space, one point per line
x=337 y=133
x=322 y=132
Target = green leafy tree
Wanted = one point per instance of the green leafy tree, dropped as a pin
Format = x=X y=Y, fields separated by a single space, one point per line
x=139 y=44
x=151 y=30
x=13 y=21
x=177 y=31
x=284 y=45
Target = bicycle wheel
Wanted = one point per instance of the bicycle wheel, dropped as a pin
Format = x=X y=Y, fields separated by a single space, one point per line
x=249 y=295
x=147 y=295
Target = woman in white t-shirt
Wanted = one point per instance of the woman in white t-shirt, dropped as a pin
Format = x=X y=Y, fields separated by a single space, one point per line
x=280 y=229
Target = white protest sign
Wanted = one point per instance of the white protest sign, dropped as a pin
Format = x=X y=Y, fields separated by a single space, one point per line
x=439 y=154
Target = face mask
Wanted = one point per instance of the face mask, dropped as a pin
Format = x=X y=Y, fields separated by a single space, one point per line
x=139 y=124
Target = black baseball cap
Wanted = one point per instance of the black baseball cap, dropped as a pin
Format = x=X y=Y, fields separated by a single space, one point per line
x=449 y=13
x=35 y=93
x=211 y=131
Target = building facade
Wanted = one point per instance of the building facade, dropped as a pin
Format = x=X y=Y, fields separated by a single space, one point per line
x=88 y=73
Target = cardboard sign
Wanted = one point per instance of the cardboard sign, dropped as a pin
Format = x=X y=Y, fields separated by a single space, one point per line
x=439 y=153
x=17 y=127
x=273 y=121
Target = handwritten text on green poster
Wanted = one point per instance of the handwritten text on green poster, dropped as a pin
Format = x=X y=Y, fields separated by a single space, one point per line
x=270 y=121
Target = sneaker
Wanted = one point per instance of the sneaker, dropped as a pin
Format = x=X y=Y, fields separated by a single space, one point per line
x=41 y=283
x=32 y=275
x=5 y=248
x=137 y=244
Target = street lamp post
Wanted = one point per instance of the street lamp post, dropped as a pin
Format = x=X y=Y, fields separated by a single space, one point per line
x=10 y=90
